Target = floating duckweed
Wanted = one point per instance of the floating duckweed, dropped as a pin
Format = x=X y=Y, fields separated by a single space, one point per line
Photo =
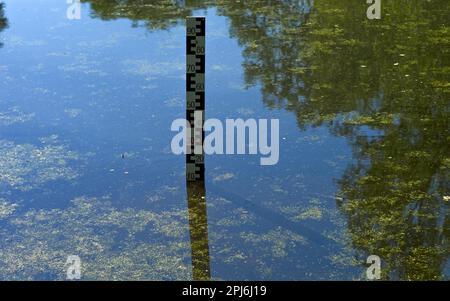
x=314 y=213
x=25 y=166
x=279 y=241
x=224 y=177
x=91 y=229
x=6 y=208
x=14 y=116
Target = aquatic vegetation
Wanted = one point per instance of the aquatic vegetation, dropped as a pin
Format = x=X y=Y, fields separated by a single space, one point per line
x=240 y=217
x=380 y=86
x=174 y=102
x=152 y=70
x=310 y=213
x=277 y=240
x=13 y=116
x=103 y=236
x=6 y=208
x=72 y=112
x=373 y=83
x=83 y=64
x=245 y=112
x=224 y=177
x=25 y=166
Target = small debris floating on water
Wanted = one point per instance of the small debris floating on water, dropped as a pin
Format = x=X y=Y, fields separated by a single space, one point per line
x=339 y=198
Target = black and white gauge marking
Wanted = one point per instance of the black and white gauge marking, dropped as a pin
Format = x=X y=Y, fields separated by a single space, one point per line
x=195 y=96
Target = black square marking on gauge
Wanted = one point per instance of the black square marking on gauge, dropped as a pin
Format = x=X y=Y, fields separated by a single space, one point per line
x=195 y=96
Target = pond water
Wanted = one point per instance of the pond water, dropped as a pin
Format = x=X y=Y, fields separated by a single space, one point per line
x=86 y=167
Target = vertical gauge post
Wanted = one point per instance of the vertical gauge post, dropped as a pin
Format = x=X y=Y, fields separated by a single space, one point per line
x=195 y=97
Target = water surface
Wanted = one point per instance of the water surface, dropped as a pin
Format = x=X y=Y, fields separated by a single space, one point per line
x=86 y=167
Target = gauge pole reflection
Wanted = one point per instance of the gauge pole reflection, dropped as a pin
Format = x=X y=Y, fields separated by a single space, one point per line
x=198 y=229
